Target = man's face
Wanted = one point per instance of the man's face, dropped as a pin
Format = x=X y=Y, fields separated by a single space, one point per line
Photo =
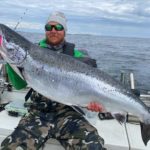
x=54 y=37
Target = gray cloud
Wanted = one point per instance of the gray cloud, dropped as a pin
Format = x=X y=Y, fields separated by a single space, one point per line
x=115 y=12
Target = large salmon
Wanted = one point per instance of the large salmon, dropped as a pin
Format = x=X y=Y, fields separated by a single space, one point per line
x=69 y=81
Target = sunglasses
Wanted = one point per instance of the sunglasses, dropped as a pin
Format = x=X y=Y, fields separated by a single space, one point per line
x=57 y=27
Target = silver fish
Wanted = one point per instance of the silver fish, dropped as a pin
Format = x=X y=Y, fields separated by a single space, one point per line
x=69 y=81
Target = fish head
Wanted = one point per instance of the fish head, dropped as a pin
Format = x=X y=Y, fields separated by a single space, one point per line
x=13 y=47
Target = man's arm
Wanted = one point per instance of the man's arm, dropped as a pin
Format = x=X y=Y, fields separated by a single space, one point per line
x=84 y=57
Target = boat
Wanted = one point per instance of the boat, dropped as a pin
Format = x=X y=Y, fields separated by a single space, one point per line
x=125 y=137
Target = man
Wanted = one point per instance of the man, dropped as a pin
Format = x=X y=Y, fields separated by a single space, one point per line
x=48 y=119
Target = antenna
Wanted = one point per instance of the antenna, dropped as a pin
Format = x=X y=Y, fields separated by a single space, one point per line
x=19 y=21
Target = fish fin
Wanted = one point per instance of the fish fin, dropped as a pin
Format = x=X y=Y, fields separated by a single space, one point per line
x=145 y=132
x=121 y=118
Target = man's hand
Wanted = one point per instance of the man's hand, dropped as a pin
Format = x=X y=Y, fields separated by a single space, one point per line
x=94 y=106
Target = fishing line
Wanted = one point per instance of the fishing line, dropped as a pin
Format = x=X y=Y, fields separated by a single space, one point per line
x=125 y=125
x=19 y=21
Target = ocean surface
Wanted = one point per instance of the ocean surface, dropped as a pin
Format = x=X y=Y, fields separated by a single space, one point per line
x=114 y=55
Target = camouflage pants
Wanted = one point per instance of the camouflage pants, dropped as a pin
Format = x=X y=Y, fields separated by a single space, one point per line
x=47 y=119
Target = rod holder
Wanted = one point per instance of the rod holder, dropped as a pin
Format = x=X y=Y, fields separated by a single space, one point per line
x=122 y=78
x=132 y=83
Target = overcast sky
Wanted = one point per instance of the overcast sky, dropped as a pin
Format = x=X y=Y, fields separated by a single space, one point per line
x=102 y=17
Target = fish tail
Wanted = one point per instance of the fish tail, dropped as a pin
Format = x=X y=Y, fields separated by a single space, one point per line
x=145 y=132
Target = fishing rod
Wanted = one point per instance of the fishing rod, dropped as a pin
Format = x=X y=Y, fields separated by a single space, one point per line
x=19 y=21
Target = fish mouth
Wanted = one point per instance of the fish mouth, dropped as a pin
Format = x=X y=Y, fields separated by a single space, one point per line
x=1 y=40
x=1 y=45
